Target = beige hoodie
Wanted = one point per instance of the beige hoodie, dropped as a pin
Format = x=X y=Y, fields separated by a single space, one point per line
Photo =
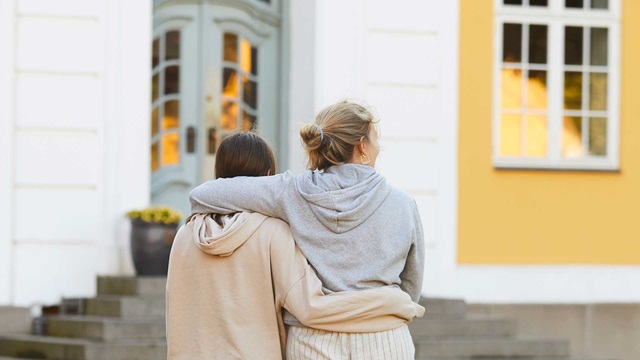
x=228 y=284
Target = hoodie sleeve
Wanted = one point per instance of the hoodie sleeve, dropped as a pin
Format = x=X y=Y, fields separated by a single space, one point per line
x=413 y=273
x=298 y=289
x=256 y=194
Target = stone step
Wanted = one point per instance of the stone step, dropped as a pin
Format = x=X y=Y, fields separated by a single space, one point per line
x=15 y=319
x=506 y=358
x=47 y=347
x=131 y=285
x=483 y=347
x=126 y=306
x=436 y=307
x=105 y=328
x=470 y=326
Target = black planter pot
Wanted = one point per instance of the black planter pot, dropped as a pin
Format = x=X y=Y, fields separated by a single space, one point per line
x=150 y=247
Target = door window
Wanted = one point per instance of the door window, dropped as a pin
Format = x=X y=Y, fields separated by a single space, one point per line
x=239 y=84
x=165 y=101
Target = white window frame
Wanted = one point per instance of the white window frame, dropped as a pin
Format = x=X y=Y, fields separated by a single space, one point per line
x=556 y=17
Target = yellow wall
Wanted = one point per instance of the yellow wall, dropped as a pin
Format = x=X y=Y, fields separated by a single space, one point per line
x=543 y=217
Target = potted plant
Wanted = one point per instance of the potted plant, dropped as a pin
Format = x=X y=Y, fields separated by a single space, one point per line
x=152 y=232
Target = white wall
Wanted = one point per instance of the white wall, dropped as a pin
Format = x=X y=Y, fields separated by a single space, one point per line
x=300 y=28
x=77 y=139
x=6 y=149
x=401 y=58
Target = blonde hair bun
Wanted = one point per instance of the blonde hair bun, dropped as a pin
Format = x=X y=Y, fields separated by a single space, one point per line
x=311 y=137
x=337 y=129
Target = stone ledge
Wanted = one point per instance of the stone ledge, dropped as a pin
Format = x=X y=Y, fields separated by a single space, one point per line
x=15 y=319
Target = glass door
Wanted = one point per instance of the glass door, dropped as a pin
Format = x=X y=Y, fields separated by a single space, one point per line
x=174 y=103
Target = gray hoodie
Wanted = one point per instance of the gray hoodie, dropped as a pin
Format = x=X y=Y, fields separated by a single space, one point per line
x=357 y=231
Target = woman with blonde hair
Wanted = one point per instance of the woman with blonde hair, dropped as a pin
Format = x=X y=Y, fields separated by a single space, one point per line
x=357 y=231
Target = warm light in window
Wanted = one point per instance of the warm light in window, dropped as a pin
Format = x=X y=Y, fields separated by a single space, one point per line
x=154 y=157
x=171 y=118
x=511 y=89
x=572 y=137
x=170 y=149
x=230 y=83
x=245 y=55
x=229 y=118
x=510 y=135
x=536 y=136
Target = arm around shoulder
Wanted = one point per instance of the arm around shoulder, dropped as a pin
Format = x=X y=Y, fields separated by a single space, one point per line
x=258 y=194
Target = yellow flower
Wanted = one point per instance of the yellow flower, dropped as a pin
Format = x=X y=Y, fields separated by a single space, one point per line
x=156 y=214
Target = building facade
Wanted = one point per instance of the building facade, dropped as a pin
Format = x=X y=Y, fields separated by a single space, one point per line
x=547 y=162
x=509 y=122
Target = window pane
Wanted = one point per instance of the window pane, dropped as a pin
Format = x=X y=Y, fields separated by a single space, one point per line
x=598 y=91
x=538 y=2
x=572 y=137
x=154 y=156
x=510 y=135
x=155 y=87
x=229 y=83
x=229 y=117
x=574 y=3
x=573 y=45
x=250 y=92
x=511 y=89
x=155 y=53
x=599 y=45
x=172 y=49
x=245 y=56
x=598 y=136
x=154 y=122
x=254 y=61
x=538 y=44
x=599 y=4
x=536 y=136
x=170 y=149
x=171 y=118
x=231 y=47
x=512 y=2
x=572 y=90
x=512 y=43
x=537 y=90
x=172 y=80
x=248 y=121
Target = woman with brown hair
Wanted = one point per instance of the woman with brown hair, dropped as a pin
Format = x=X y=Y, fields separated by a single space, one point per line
x=356 y=231
x=230 y=276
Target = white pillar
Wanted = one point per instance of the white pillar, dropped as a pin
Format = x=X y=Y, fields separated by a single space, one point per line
x=127 y=129
x=7 y=48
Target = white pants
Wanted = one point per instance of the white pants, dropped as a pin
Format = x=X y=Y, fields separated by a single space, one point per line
x=308 y=344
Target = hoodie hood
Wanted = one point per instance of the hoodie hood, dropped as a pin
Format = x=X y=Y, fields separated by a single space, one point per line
x=214 y=239
x=343 y=196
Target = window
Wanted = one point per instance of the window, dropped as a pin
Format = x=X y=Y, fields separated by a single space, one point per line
x=556 y=93
x=239 y=84
x=165 y=101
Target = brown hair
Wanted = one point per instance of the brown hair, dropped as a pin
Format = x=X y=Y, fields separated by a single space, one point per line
x=244 y=154
x=337 y=129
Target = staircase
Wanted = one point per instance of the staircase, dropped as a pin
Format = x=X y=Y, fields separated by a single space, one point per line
x=126 y=321
x=446 y=332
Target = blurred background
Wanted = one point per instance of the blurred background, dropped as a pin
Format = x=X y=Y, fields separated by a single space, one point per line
x=510 y=122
